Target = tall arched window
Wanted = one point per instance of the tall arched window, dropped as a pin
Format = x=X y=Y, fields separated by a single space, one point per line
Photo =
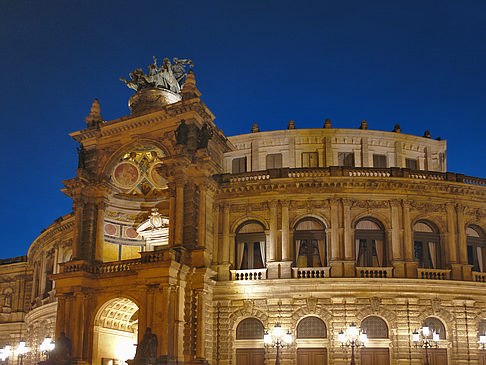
x=374 y=327
x=311 y=327
x=426 y=245
x=370 y=243
x=482 y=328
x=250 y=329
x=310 y=248
x=435 y=325
x=250 y=246
x=476 y=248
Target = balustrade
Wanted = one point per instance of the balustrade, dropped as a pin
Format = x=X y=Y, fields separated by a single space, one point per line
x=479 y=276
x=374 y=272
x=310 y=272
x=434 y=274
x=250 y=274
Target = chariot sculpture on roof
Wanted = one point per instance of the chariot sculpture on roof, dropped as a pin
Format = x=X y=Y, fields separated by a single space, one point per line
x=169 y=76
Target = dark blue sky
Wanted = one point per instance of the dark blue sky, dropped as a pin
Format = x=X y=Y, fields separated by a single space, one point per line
x=418 y=63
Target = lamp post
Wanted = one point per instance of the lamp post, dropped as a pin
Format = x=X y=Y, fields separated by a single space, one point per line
x=426 y=339
x=353 y=337
x=21 y=350
x=46 y=346
x=278 y=339
x=482 y=341
x=5 y=353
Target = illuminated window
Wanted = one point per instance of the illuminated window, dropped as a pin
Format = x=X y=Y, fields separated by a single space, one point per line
x=250 y=246
x=374 y=327
x=310 y=249
x=426 y=245
x=311 y=327
x=476 y=248
x=370 y=243
x=435 y=325
x=249 y=329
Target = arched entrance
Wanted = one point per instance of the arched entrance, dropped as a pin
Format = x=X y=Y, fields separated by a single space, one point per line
x=115 y=332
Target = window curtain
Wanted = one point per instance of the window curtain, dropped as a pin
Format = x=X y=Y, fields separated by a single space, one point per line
x=433 y=254
x=301 y=260
x=262 y=252
x=320 y=244
x=379 y=252
x=240 y=252
x=480 y=259
x=358 y=254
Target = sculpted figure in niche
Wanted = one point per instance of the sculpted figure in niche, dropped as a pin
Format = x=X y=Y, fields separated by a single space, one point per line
x=181 y=133
x=146 y=353
x=7 y=301
x=63 y=349
x=203 y=136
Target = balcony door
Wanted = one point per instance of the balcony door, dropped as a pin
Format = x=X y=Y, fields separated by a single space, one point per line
x=311 y=356
x=250 y=356
x=375 y=356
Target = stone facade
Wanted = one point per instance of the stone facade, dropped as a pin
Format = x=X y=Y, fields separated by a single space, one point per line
x=338 y=224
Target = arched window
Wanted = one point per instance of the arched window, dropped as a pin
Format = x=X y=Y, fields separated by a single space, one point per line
x=435 y=325
x=311 y=327
x=310 y=248
x=476 y=248
x=370 y=243
x=249 y=329
x=374 y=327
x=426 y=245
x=250 y=246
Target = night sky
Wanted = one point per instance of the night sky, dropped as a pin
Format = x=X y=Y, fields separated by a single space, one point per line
x=421 y=64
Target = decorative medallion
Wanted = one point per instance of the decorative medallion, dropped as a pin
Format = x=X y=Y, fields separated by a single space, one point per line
x=157 y=178
x=126 y=174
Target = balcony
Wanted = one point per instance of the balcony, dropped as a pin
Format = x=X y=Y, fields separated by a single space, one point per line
x=310 y=272
x=250 y=274
x=479 y=276
x=434 y=274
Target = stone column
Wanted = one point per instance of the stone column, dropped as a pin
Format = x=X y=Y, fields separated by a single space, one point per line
x=452 y=242
x=225 y=249
x=179 y=212
x=365 y=153
x=398 y=154
x=78 y=218
x=285 y=232
x=335 y=254
x=77 y=335
x=396 y=243
x=216 y=250
x=410 y=264
x=100 y=232
x=201 y=231
x=462 y=243
x=172 y=210
x=349 y=259
x=272 y=245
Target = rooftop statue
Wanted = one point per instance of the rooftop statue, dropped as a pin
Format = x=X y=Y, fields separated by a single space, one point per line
x=166 y=76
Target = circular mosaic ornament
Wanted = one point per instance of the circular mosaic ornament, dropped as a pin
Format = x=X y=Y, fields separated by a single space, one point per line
x=126 y=175
x=156 y=177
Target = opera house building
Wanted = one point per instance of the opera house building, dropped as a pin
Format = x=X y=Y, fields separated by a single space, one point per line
x=292 y=247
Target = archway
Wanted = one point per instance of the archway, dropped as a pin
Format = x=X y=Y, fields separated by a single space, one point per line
x=115 y=332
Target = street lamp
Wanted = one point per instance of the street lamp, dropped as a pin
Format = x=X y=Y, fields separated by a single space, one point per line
x=426 y=339
x=5 y=353
x=482 y=341
x=46 y=346
x=21 y=350
x=277 y=338
x=352 y=337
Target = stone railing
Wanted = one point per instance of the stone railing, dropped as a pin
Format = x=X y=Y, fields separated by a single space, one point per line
x=308 y=172
x=374 y=272
x=116 y=266
x=434 y=274
x=340 y=171
x=479 y=276
x=250 y=274
x=369 y=172
x=310 y=272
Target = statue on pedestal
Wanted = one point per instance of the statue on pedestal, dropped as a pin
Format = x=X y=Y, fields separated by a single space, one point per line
x=146 y=353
